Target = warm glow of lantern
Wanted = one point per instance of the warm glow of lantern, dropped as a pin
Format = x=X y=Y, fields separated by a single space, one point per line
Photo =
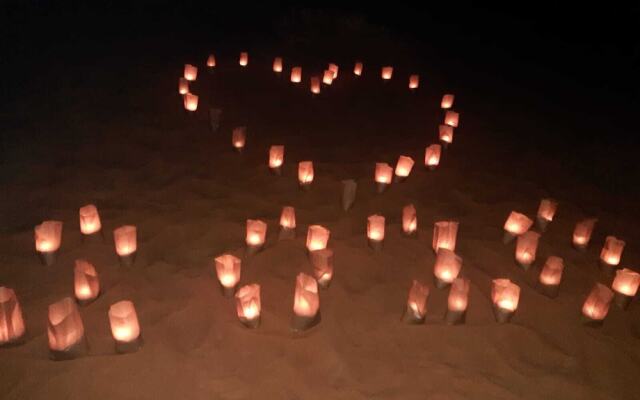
x=11 y=322
x=239 y=137
x=89 y=220
x=417 y=299
x=612 y=251
x=248 y=302
x=256 y=232
x=357 y=68
x=505 y=294
x=126 y=240
x=306 y=302
x=334 y=69
x=277 y=64
x=626 y=282
x=183 y=86
x=327 y=77
x=190 y=72
x=317 y=237
x=458 y=295
x=404 y=166
x=123 y=319
x=414 y=81
x=211 y=61
x=445 y=234
x=375 y=228
x=383 y=173
x=448 y=265
x=547 y=209
x=322 y=261
x=276 y=156
x=190 y=102
x=244 y=59
x=64 y=328
x=551 y=273
x=315 y=85
x=526 y=248
x=447 y=101
x=387 y=72
x=596 y=306
x=445 y=133
x=85 y=281
x=305 y=172
x=48 y=236
x=296 y=74
x=432 y=155
x=582 y=232
x=228 y=270
x=517 y=223
x=288 y=218
x=452 y=118
x=409 y=219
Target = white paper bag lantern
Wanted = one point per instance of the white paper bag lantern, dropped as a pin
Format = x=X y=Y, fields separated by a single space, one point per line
x=505 y=295
x=125 y=327
x=416 y=309
x=582 y=233
x=551 y=276
x=288 y=223
x=190 y=72
x=375 y=231
x=228 y=268
x=546 y=212
x=322 y=262
x=211 y=61
x=625 y=285
x=276 y=158
x=432 y=156
x=387 y=72
x=12 y=327
x=611 y=252
x=403 y=168
x=48 y=236
x=414 y=81
x=190 y=102
x=447 y=101
x=445 y=134
x=248 y=306
x=526 y=248
x=85 y=282
x=515 y=225
x=256 y=235
x=447 y=267
x=296 y=74
x=305 y=174
x=452 y=118
x=383 y=174
x=126 y=242
x=409 y=220
x=239 y=138
x=89 y=220
x=306 y=303
x=244 y=59
x=596 y=306
x=277 y=64
x=458 y=301
x=317 y=237
x=357 y=69
x=65 y=330
x=183 y=86
x=445 y=235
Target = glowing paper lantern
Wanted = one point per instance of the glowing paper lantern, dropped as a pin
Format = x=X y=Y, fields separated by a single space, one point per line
x=612 y=251
x=183 y=86
x=211 y=61
x=387 y=72
x=306 y=303
x=625 y=285
x=256 y=234
x=447 y=101
x=551 y=275
x=596 y=306
x=515 y=225
x=327 y=77
x=546 y=212
x=322 y=262
x=228 y=272
x=526 y=248
x=277 y=64
x=65 y=330
x=89 y=220
x=432 y=156
x=409 y=220
x=505 y=295
x=125 y=327
x=349 y=189
x=375 y=231
x=451 y=118
x=403 y=168
x=315 y=85
x=416 y=303
x=248 y=305
x=445 y=133
x=126 y=241
x=239 y=138
x=305 y=174
x=582 y=233
x=244 y=59
x=48 y=236
x=12 y=326
x=190 y=102
x=383 y=174
x=276 y=158
x=288 y=223
x=190 y=72
x=317 y=237
x=357 y=68
x=457 y=301
x=296 y=74
x=414 y=81
x=445 y=235
x=334 y=69
x=85 y=282
x=447 y=267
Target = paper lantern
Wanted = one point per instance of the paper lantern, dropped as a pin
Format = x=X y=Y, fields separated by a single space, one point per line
x=526 y=248
x=65 y=330
x=327 y=77
x=445 y=235
x=306 y=303
x=447 y=267
x=515 y=225
x=334 y=69
x=305 y=174
x=416 y=303
x=277 y=64
x=375 y=231
x=403 y=168
x=89 y=220
x=244 y=59
x=625 y=285
x=322 y=262
x=445 y=133
x=211 y=61
x=248 y=305
x=457 y=301
x=190 y=72
x=183 y=86
x=387 y=72
x=546 y=212
x=48 y=236
x=612 y=251
x=228 y=272
x=409 y=220
x=551 y=275
x=276 y=158
x=125 y=327
x=349 y=189
x=315 y=85
x=596 y=306
x=432 y=156
x=126 y=242
x=317 y=237
x=85 y=282
x=296 y=74
x=12 y=327
x=451 y=118
x=357 y=68
x=414 y=81
x=239 y=138
x=190 y=102
x=288 y=223
x=256 y=234
x=447 y=101
x=582 y=233
x=505 y=296
x=383 y=174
